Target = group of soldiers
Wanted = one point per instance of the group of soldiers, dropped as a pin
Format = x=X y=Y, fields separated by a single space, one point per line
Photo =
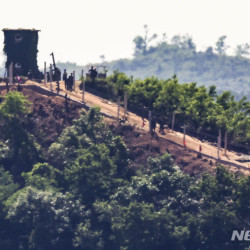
x=153 y=121
x=68 y=81
x=56 y=76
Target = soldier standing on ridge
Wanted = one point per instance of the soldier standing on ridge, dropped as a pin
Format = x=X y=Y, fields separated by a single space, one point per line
x=65 y=77
x=93 y=73
x=70 y=81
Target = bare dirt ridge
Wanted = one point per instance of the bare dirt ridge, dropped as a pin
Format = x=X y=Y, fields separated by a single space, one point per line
x=138 y=139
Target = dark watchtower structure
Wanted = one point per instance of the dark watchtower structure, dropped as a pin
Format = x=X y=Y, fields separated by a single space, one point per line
x=20 y=47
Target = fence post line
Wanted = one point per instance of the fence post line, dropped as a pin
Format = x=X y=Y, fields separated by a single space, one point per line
x=45 y=74
x=50 y=76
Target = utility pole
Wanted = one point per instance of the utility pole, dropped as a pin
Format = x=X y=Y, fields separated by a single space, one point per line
x=45 y=74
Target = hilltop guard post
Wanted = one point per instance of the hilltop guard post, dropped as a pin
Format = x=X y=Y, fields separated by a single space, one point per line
x=20 y=47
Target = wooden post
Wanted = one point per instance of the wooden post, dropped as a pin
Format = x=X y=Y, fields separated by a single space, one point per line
x=184 y=135
x=219 y=144
x=83 y=91
x=83 y=87
x=173 y=119
x=74 y=80
x=11 y=73
x=125 y=103
x=118 y=108
x=225 y=142
x=50 y=76
x=45 y=74
x=149 y=120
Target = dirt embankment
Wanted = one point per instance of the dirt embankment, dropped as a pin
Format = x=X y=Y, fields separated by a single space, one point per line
x=142 y=146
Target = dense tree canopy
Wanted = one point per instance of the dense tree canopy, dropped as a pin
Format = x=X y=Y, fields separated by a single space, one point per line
x=81 y=194
x=202 y=109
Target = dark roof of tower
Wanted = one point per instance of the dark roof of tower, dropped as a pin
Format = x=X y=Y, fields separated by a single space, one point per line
x=20 y=29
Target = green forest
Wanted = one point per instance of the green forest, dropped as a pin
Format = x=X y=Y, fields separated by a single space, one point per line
x=81 y=191
x=163 y=58
x=202 y=110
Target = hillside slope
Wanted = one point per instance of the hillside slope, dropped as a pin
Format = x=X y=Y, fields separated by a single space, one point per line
x=137 y=139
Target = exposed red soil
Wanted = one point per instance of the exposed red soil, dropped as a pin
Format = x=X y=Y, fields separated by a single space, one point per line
x=142 y=146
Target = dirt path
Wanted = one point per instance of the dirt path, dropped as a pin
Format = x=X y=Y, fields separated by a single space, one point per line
x=177 y=137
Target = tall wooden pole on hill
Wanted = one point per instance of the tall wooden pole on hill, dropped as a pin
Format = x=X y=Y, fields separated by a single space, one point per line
x=45 y=74
x=50 y=76
x=83 y=87
x=184 y=135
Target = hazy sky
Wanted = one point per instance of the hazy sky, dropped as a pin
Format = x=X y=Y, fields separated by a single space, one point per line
x=80 y=31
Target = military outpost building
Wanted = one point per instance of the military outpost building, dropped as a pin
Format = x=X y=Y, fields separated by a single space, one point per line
x=20 y=47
